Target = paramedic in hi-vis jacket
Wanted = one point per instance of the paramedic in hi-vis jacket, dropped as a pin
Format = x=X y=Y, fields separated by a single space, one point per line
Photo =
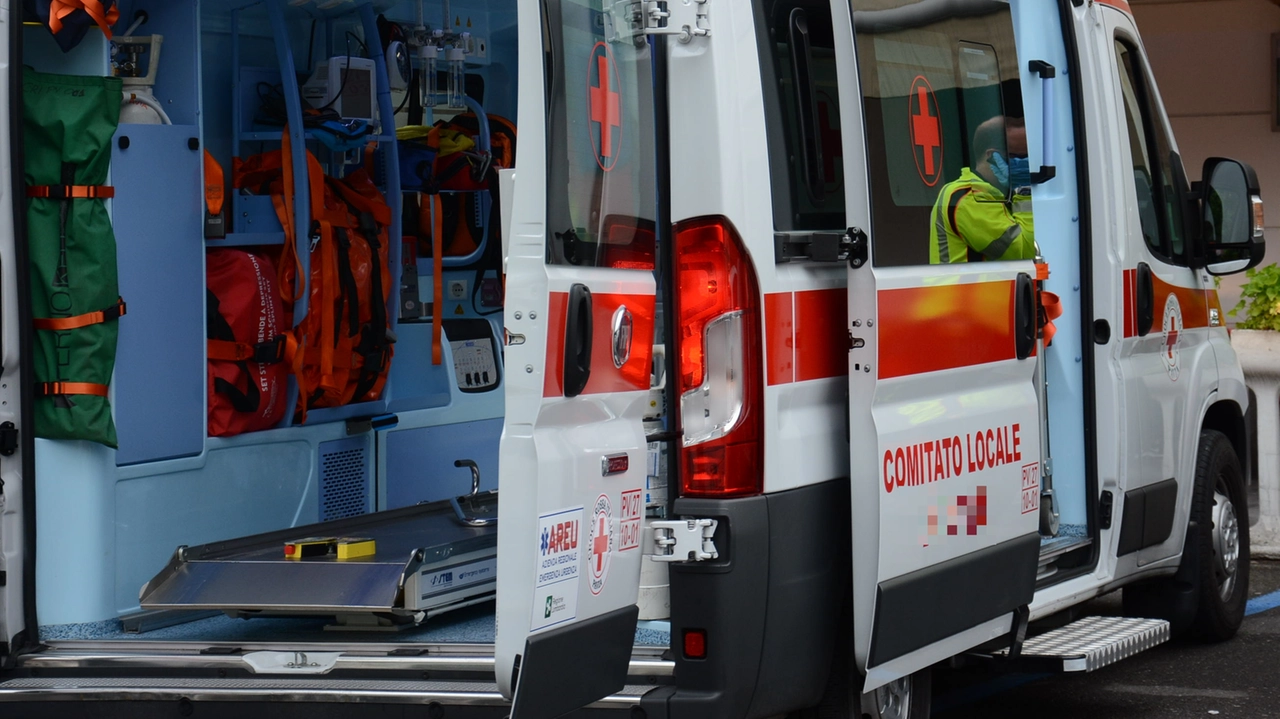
x=976 y=216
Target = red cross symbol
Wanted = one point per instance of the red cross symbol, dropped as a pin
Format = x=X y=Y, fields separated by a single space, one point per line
x=606 y=104
x=600 y=545
x=926 y=131
x=1171 y=341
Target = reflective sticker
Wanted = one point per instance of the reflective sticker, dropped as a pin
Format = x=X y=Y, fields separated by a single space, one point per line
x=600 y=543
x=555 y=597
x=1031 y=488
x=632 y=511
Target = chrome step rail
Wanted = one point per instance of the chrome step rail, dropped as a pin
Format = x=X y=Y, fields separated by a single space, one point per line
x=1091 y=643
x=123 y=656
x=311 y=690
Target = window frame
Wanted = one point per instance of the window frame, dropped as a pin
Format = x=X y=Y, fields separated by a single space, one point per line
x=789 y=217
x=1140 y=77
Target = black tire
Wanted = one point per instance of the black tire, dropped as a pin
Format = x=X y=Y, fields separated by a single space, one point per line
x=1206 y=598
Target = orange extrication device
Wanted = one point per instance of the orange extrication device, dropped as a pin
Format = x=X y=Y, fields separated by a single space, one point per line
x=344 y=343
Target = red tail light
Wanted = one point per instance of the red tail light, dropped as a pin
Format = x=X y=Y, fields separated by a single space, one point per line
x=719 y=346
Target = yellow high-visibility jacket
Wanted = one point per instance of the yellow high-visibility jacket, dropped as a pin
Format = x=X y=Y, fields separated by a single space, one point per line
x=972 y=220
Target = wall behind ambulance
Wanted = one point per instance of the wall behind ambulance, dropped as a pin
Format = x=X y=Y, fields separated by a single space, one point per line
x=1212 y=62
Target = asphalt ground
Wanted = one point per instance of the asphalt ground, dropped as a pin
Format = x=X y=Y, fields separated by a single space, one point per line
x=1239 y=678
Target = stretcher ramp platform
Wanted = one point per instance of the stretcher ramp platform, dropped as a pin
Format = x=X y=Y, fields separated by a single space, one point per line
x=428 y=558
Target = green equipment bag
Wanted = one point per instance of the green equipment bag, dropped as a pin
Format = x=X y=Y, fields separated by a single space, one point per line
x=69 y=122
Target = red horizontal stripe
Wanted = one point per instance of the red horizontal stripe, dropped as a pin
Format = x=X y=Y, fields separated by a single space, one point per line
x=822 y=334
x=780 y=339
x=1193 y=302
x=931 y=329
x=605 y=376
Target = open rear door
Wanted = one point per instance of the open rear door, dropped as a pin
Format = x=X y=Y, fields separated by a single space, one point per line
x=15 y=576
x=580 y=321
x=944 y=415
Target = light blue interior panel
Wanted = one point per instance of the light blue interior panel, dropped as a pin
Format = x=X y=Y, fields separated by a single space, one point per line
x=415 y=381
x=40 y=52
x=160 y=380
x=76 y=531
x=420 y=461
x=1057 y=217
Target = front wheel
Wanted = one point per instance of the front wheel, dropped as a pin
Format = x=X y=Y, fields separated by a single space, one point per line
x=1221 y=509
x=1206 y=598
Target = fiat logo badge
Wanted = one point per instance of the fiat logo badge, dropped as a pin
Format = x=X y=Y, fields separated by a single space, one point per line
x=622 y=324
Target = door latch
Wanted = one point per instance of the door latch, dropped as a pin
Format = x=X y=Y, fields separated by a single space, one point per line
x=684 y=540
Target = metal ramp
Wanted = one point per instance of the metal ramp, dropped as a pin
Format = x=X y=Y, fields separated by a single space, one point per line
x=1091 y=643
x=429 y=558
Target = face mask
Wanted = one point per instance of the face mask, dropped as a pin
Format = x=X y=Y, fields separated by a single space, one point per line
x=1019 y=172
x=1000 y=169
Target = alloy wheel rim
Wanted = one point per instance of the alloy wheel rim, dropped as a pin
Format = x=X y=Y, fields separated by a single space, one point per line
x=893 y=700
x=1226 y=542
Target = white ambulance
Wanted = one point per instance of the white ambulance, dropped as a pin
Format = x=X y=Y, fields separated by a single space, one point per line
x=714 y=438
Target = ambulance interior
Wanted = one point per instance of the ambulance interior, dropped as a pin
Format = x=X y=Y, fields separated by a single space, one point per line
x=110 y=519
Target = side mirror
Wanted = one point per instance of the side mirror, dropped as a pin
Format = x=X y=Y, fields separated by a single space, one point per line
x=1231 y=217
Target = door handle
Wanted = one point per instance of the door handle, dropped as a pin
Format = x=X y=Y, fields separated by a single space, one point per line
x=577 y=341
x=1145 y=299
x=1024 y=316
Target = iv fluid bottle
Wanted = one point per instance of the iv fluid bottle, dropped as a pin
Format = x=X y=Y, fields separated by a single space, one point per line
x=457 y=77
x=429 y=55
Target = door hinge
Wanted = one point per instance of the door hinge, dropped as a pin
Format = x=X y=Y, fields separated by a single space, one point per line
x=683 y=540
x=685 y=19
x=8 y=439
x=850 y=245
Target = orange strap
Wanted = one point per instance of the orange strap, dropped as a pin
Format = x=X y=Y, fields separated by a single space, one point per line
x=62 y=324
x=214 y=184
x=71 y=192
x=1051 y=304
x=269 y=352
x=59 y=9
x=437 y=269
x=51 y=389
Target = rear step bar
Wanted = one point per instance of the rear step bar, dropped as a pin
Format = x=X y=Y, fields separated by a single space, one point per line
x=469 y=659
x=311 y=690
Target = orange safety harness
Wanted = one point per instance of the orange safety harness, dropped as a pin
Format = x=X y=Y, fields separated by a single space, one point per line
x=340 y=352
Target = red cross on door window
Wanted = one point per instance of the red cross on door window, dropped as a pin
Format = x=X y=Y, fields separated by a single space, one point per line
x=605 y=106
x=926 y=131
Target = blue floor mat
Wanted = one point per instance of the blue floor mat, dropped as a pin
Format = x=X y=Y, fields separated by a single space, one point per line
x=473 y=625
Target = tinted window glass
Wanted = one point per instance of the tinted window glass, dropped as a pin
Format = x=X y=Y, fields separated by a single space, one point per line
x=798 y=65
x=946 y=133
x=600 y=154
x=1154 y=162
